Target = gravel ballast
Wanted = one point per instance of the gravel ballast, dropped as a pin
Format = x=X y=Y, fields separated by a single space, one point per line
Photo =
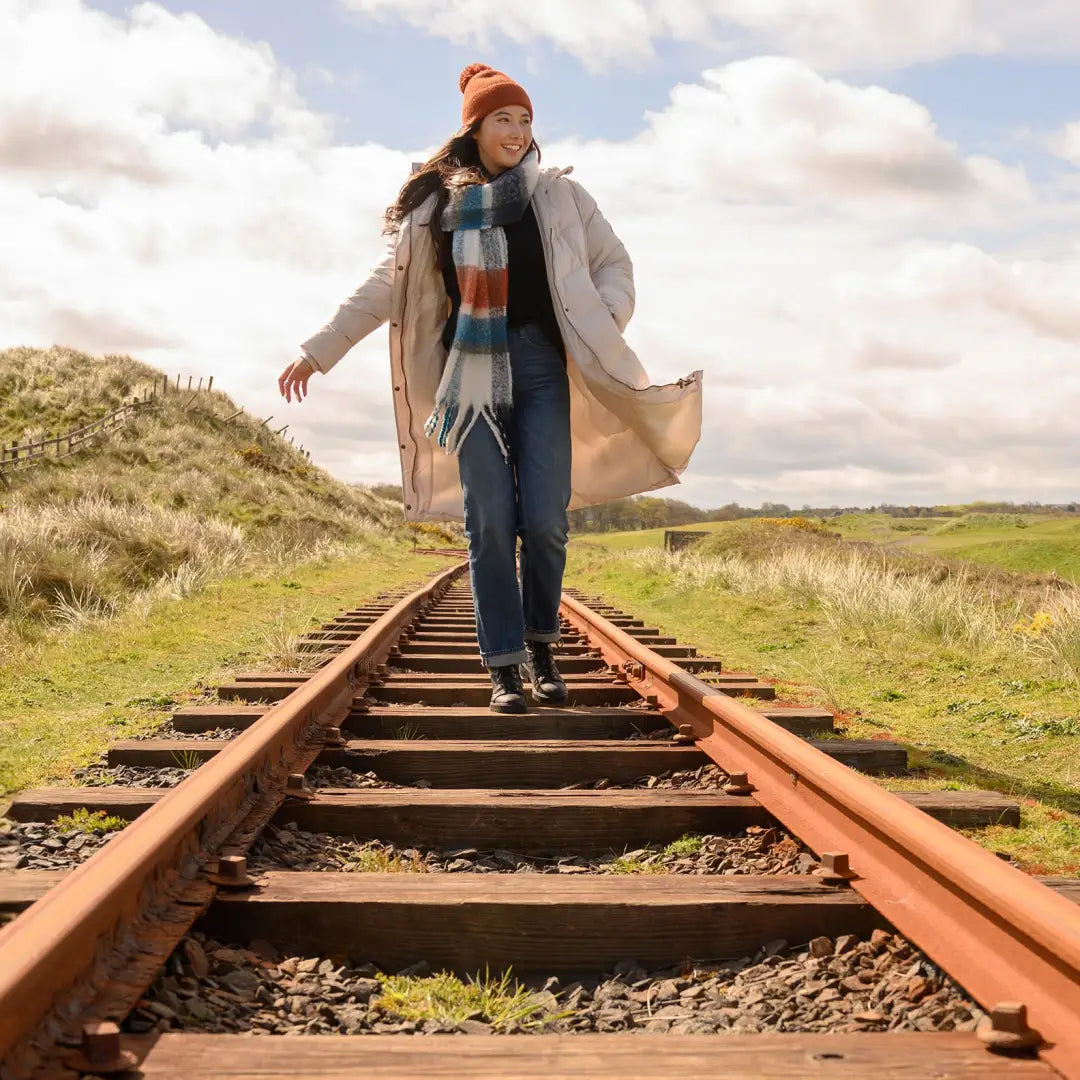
x=841 y=985
x=706 y=778
x=143 y=776
x=758 y=851
x=35 y=845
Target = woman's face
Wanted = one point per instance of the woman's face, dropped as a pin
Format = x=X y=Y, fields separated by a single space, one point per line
x=503 y=138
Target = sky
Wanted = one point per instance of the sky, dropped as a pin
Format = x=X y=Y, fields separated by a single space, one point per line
x=862 y=225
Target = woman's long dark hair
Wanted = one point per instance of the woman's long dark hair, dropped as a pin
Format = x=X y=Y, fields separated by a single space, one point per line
x=455 y=164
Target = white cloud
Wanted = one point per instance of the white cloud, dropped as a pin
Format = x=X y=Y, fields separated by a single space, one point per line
x=165 y=191
x=1066 y=142
x=834 y=35
x=772 y=130
x=815 y=246
x=874 y=354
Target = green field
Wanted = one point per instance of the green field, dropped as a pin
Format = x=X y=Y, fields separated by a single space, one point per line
x=65 y=700
x=945 y=657
x=1032 y=542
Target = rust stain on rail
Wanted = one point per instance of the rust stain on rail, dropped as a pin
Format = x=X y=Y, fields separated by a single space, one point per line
x=84 y=949
x=1002 y=935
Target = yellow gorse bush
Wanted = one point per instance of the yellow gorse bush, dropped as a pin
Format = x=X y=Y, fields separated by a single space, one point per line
x=1039 y=624
x=797 y=522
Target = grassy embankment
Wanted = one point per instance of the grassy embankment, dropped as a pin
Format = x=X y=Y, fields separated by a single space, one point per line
x=1033 y=542
x=187 y=545
x=976 y=670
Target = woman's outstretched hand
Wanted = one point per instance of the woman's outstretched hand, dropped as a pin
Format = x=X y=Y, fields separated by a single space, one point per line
x=294 y=380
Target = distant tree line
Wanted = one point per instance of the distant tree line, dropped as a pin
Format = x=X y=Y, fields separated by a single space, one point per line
x=650 y=512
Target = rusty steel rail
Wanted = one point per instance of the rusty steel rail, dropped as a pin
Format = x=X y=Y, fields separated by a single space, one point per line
x=79 y=952
x=1003 y=936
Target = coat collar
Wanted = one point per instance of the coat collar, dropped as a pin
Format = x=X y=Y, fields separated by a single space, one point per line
x=422 y=214
x=548 y=175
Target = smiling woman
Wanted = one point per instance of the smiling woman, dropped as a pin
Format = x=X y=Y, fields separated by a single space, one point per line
x=507 y=293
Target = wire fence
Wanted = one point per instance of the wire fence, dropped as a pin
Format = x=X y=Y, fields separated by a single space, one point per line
x=16 y=456
x=49 y=447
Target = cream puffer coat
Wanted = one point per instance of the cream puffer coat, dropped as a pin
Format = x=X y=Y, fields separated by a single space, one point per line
x=626 y=436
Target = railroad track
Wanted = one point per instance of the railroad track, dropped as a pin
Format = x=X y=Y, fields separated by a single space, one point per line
x=808 y=875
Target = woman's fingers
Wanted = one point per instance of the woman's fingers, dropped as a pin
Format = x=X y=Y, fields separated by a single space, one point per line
x=294 y=380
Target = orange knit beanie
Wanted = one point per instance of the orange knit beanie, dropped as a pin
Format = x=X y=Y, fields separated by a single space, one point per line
x=486 y=90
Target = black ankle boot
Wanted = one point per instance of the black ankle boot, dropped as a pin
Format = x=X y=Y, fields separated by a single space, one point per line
x=507 y=693
x=548 y=687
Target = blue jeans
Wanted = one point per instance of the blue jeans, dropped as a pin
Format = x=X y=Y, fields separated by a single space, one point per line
x=526 y=498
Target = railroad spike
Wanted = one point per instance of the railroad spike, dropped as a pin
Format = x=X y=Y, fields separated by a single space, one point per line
x=332 y=737
x=232 y=873
x=295 y=787
x=100 y=1051
x=1005 y=1028
x=835 y=868
x=737 y=784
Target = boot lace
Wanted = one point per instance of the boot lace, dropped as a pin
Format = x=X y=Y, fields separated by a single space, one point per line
x=508 y=679
x=543 y=662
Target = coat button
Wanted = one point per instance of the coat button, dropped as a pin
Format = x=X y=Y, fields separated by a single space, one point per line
x=397 y=387
x=393 y=324
x=402 y=446
x=401 y=267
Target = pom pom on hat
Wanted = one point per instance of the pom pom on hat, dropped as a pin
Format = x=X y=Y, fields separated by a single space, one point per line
x=486 y=90
x=469 y=72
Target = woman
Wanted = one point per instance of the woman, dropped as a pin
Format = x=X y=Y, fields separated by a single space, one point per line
x=507 y=293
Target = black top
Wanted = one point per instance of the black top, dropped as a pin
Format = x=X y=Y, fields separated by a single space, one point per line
x=528 y=292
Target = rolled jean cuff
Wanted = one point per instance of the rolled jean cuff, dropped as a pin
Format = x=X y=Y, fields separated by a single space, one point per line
x=535 y=635
x=504 y=659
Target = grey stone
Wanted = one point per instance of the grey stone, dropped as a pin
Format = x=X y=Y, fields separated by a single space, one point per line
x=474 y=1027
x=241 y=981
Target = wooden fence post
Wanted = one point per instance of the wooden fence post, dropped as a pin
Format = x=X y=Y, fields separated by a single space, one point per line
x=210 y=384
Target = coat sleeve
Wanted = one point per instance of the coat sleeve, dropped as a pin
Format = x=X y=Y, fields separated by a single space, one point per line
x=366 y=310
x=609 y=265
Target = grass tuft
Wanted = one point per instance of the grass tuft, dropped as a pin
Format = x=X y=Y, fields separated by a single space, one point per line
x=625 y=864
x=446 y=998
x=94 y=823
x=684 y=847
x=373 y=858
x=186 y=759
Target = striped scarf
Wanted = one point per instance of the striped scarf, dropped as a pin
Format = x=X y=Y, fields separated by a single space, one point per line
x=476 y=380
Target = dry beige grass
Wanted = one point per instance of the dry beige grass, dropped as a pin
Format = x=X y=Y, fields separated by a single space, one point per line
x=868 y=594
x=177 y=499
